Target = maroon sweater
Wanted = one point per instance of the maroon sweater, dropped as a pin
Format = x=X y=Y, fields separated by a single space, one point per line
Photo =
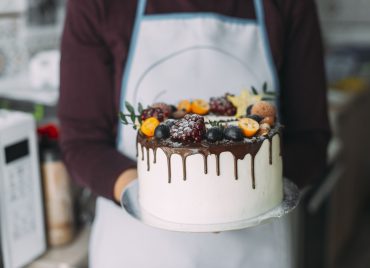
x=95 y=46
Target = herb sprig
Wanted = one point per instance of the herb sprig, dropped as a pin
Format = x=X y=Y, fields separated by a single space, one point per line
x=266 y=95
x=131 y=118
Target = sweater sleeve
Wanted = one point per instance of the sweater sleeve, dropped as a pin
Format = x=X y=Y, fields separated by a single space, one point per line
x=86 y=106
x=303 y=95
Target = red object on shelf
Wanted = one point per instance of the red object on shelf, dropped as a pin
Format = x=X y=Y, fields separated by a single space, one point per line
x=50 y=131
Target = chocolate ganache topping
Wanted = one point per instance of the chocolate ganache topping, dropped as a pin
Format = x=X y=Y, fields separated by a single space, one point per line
x=238 y=149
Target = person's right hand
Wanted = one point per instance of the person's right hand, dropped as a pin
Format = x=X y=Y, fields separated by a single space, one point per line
x=123 y=180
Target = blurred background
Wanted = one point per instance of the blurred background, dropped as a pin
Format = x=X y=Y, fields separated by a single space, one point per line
x=335 y=215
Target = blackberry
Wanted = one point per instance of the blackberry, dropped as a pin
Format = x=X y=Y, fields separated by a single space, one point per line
x=169 y=122
x=222 y=106
x=190 y=128
x=152 y=112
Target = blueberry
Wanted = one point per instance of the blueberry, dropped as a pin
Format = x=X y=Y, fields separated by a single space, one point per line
x=233 y=133
x=249 y=109
x=214 y=134
x=162 y=132
x=255 y=117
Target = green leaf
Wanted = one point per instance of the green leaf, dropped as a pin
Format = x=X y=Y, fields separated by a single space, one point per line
x=130 y=108
x=123 y=118
x=140 y=108
x=264 y=87
x=39 y=112
x=270 y=93
x=254 y=90
x=133 y=118
x=135 y=127
x=139 y=119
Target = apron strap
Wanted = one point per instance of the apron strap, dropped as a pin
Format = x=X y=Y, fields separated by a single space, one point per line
x=260 y=15
x=140 y=10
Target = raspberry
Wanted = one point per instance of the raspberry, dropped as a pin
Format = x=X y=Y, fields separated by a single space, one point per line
x=152 y=112
x=222 y=106
x=191 y=128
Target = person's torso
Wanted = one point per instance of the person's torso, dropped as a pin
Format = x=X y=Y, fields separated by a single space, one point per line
x=203 y=54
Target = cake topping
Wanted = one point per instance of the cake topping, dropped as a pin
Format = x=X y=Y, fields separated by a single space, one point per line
x=255 y=117
x=148 y=126
x=214 y=134
x=170 y=122
x=199 y=106
x=222 y=106
x=264 y=109
x=179 y=114
x=166 y=109
x=242 y=101
x=264 y=129
x=191 y=128
x=233 y=133
x=184 y=105
x=248 y=126
x=249 y=108
x=162 y=132
x=268 y=120
x=153 y=112
x=237 y=118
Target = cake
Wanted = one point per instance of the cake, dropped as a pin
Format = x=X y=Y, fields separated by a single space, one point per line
x=209 y=162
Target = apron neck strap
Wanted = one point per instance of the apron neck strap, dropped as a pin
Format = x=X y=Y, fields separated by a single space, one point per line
x=260 y=15
x=140 y=11
x=258 y=6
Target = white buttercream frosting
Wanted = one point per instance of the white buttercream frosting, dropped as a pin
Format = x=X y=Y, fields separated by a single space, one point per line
x=209 y=198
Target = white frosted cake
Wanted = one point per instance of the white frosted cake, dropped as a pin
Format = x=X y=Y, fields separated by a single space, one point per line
x=206 y=168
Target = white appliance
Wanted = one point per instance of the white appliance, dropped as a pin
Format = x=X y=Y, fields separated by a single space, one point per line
x=21 y=210
x=12 y=6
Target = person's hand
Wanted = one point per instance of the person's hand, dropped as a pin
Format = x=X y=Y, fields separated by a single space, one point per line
x=123 y=180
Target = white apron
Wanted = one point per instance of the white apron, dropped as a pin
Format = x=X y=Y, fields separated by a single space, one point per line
x=182 y=56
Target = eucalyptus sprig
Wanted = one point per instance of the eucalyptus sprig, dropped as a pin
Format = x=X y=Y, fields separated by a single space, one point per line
x=131 y=118
x=266 y=95
x=215 y=123
x=220 y=123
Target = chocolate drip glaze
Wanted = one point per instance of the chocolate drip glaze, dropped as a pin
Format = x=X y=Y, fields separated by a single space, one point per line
x=205 y=160
x=238 y=149
x=253 y=176
x=184 y=167
x=218 y=163
x=235 y=167
x=147 y=159
x=155 y=155
x=270 y=152
x=142 y=152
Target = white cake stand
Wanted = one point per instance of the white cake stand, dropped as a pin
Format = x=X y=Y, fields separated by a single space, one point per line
x=130 y=204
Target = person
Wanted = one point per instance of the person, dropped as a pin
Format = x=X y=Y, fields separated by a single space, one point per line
x=116 y=51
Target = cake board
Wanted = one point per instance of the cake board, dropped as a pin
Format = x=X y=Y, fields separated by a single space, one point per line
x=130 y=203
